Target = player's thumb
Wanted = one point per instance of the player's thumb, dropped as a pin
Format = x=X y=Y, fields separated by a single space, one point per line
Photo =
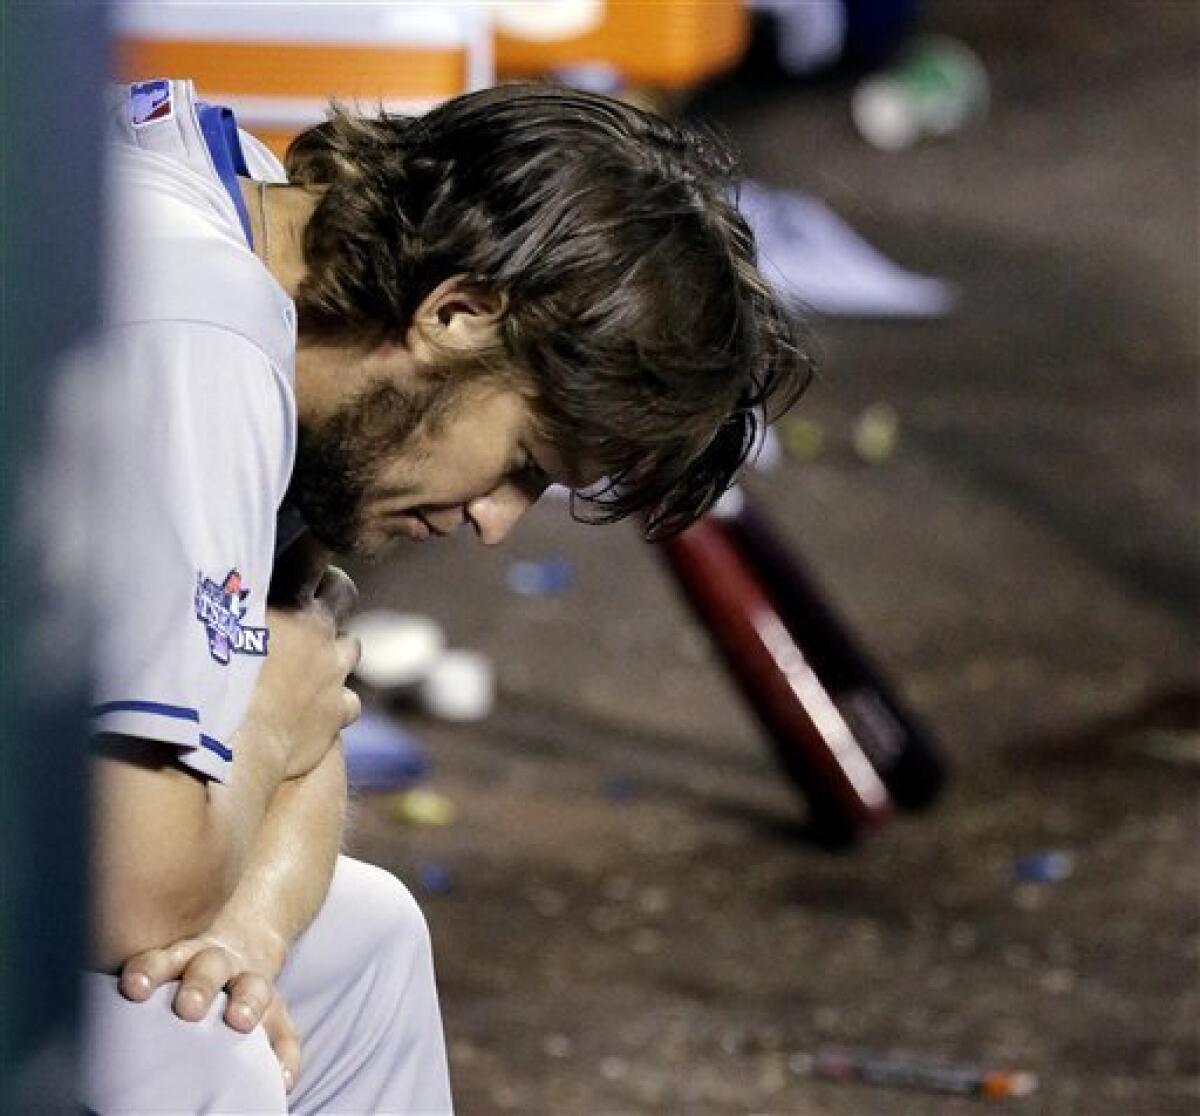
x=284 y=1039
x=338 y=593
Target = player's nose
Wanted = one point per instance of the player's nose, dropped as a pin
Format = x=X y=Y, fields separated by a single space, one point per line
x=493 y=516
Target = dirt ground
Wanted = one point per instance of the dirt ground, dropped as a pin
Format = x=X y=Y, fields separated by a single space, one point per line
x=634 y=920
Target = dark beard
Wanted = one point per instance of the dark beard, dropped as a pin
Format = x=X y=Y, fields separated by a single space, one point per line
x=339 y=458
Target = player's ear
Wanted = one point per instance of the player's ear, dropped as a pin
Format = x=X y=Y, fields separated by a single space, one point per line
x=457 y=316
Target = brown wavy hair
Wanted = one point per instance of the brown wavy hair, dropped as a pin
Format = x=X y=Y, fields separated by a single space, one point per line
x=654 y=345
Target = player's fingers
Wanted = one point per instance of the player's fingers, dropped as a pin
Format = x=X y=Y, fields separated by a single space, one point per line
x=352 y=707
x=206 y=974
x=318 y=612
x=350 y=652
x=339 y=594
x=249 y=996
x=144 y=972
x=284 y=1039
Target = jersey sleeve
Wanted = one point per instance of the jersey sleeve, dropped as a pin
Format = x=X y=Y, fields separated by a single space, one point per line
x=194 y=436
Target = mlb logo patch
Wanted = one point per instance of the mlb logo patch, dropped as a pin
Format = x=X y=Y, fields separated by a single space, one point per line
x=150 y=101
x=221 y=608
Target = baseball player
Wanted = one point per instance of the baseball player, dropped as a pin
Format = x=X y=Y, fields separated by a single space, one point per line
x=417 y=326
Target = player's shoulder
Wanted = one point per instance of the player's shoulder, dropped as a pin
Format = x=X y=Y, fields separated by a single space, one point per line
x=177 y=248
x=202 y=284
x=157 y=150
x=170 y=260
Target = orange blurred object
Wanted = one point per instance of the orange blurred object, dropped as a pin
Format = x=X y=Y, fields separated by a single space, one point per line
x=278 y=65
x=664 y=43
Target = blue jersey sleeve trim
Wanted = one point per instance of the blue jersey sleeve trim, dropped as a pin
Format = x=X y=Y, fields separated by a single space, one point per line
x=128 y=719
x=219 y=128
x=179 y=712
x=216 y=747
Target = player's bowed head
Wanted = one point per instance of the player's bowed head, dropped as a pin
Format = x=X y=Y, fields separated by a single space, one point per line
x=635 y=318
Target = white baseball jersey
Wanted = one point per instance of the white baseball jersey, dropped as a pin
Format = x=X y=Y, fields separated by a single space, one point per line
x=197 y=366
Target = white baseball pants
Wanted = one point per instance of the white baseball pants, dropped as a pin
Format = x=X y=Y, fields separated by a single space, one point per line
x=360 y=988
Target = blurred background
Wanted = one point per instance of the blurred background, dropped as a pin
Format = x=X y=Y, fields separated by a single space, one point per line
x=987 y=214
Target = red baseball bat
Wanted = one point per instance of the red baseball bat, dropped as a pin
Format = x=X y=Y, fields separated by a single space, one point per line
x=811 y=736
x=898 y=745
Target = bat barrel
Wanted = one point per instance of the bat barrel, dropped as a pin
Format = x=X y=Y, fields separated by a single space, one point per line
x=897 y=744
x=810 y=734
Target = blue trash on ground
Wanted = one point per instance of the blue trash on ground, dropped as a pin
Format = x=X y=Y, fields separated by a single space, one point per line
x=381 y=756
x=542 y=578
x=1049 y=866
x=435 y=879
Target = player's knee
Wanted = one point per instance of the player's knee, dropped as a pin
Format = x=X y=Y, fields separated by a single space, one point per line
x=254 y=1075
x=249 y=1071
x=397 y=922
x=144 y=1058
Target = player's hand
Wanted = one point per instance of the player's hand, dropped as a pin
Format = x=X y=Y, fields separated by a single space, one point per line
x=210 y=963
x=337 y=592
x=301 y=701
x=298 y=570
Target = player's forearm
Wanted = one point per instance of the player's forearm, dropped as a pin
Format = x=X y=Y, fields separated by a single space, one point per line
x=162 y=856
x=291 y=862
x=238 y=808
x=298 y=707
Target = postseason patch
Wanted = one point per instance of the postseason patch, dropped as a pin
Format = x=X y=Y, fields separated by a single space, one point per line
x=150 y=101
x=220 y=607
